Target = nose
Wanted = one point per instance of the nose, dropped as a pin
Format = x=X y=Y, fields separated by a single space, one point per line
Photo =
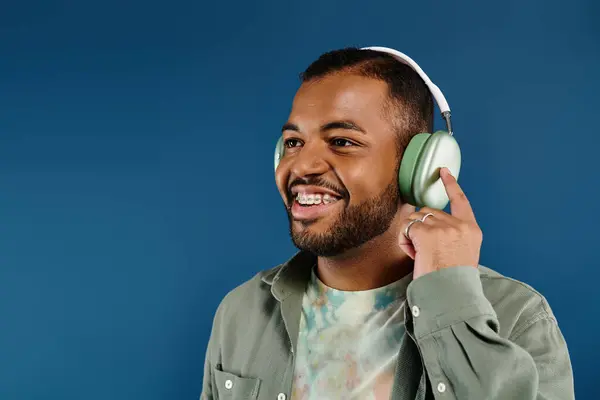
x=309 y=161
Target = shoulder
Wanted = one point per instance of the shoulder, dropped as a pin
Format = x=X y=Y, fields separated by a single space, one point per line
x=517 y=304
x=242 y=315
x=245 y=297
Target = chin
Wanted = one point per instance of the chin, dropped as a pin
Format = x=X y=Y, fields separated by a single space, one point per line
x=316 y=226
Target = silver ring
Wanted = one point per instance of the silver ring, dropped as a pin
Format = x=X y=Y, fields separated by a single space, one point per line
x=412 y=221
x=425 y=217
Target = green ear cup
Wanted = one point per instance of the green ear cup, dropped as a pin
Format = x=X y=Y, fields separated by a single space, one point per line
x=278 y=151
x=419 y=175
x=408 y=165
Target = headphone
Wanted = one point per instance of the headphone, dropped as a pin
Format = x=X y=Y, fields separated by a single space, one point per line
x=419 y=174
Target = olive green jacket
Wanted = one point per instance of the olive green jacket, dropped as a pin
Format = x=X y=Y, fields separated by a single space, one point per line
x=471 y=334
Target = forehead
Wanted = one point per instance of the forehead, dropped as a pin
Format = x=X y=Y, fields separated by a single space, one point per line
x=339 y=96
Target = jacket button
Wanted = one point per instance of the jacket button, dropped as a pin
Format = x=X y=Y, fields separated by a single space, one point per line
x=281 y=396
x=228 y=384
x=415 y=311
x=441 y=387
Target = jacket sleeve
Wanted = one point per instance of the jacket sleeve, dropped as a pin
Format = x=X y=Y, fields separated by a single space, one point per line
x=457 y=331
x=208 y=392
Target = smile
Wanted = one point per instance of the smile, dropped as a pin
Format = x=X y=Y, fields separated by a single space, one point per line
x=306 y=199
x=311 y=204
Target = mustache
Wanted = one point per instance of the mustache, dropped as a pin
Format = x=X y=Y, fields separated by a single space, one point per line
x=316 y=181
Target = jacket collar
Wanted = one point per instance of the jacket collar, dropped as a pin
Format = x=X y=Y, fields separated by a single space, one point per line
x=292 y=276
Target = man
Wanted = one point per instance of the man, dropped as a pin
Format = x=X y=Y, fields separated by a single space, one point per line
x=376 y=306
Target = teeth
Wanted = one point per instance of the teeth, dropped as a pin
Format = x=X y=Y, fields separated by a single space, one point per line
x=310 y=199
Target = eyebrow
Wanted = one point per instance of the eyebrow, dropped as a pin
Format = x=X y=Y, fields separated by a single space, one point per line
x=342 y=124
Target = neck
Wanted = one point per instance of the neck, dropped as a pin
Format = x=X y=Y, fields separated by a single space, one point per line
x=376 y=263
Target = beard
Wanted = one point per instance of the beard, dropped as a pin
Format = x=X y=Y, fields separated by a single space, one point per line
x=354 y=226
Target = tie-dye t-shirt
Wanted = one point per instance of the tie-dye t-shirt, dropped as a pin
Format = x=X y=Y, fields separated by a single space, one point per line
x=348 y=342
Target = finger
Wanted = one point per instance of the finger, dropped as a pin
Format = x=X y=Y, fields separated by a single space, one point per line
x=437 y=215
x=420 y=218
x=415 y=229
x=459 y=204
x=428 y=218
x=408 y=224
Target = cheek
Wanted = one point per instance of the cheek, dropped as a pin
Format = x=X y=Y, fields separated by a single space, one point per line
x=369 y=179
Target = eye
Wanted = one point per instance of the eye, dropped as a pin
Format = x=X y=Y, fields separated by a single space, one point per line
x=288 y=143
x=341 y=142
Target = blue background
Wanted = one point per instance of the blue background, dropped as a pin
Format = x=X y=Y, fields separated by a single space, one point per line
x=136 y=168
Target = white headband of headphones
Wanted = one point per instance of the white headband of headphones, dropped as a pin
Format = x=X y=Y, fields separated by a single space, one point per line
x=435 y=91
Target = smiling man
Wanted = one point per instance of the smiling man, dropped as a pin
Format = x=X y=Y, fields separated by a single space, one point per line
x=382 y=301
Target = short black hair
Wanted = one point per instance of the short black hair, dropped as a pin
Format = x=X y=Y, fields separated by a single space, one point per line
x=411 y=103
